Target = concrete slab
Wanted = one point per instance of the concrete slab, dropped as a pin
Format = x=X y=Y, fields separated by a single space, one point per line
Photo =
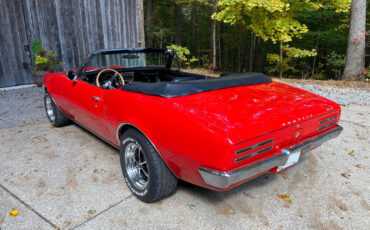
x=26 y=219
x=74 y=179
x=356 y=114
x=21 y=106
x=321 y=197
x=66 y=174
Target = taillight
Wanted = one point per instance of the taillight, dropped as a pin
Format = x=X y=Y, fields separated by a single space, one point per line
x=327 y=122
x=255 y=147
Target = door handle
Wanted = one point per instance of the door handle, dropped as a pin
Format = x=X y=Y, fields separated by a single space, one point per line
x=97 y=99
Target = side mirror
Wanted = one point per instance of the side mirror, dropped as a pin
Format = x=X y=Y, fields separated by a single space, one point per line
x=71 y=75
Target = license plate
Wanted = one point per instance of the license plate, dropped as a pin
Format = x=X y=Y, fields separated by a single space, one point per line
x=293 y=158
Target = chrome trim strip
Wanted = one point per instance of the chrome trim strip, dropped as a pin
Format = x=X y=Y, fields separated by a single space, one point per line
x=221 y=179
x=126 y=123
x=98 y=136
x=251 y=147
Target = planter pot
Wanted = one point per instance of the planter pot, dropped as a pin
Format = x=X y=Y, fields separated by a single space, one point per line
x=38 y=77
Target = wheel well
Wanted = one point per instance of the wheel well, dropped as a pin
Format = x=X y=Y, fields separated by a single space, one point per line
x=46 y=90
x=123 y=128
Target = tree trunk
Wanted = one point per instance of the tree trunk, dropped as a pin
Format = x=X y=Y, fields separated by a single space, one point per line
x=194 y=42
x=160 y=36
x=239 y=51
x=259 y=55
x=281 y=60
x=355 y=58
x=179 y=19
x=251 y=51
x=220 y=44
x=214 y=54
x=314 y=58
x=149 y=23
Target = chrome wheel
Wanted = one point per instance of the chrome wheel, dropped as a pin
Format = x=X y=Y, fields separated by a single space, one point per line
x=136 y=165
x=49 y=108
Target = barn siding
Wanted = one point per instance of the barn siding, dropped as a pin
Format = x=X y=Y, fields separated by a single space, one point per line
x=71 y=28
x=12 y=39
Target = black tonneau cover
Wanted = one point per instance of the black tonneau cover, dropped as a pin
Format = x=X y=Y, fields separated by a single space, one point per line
x=183 y=88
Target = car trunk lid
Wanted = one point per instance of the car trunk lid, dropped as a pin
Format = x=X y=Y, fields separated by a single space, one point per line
x=250 y=111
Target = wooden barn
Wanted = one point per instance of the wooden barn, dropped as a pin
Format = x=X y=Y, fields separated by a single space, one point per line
x=72 y=28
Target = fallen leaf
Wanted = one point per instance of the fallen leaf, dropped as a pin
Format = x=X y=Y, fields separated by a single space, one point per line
x=14 y=213
x=366 y=157
x=190 y=206
x=346 y=175
x=361 y=166
x=228 y=212
x=66 y=223
x=352 y=153
x=9 y=176
x=28 y=123
x=286 y=198
x=91 y=212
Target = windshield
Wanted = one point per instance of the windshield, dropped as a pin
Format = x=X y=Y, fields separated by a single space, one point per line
x=129 y=60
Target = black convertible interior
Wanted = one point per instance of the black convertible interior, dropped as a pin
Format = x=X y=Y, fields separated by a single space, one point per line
x=148 y=75
x=171 y=83
x=148 y=71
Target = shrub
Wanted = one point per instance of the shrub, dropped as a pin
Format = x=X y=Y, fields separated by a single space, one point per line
x=44 y=60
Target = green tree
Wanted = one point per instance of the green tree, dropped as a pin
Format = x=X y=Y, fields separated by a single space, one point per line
x=275 y=20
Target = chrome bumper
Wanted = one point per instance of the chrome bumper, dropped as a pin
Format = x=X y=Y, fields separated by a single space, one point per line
x=224 y=179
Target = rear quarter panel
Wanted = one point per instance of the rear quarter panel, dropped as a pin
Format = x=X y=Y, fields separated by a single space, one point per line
x=184 y=143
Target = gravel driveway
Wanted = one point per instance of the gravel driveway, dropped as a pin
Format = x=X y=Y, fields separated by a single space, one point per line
x=67 y=178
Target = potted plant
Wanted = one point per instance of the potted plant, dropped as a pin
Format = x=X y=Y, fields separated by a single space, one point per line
x=45 y=61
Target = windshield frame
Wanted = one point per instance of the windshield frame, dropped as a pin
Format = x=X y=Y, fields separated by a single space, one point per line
x=82 y=69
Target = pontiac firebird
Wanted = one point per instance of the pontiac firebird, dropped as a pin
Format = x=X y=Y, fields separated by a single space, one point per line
x=214 y=132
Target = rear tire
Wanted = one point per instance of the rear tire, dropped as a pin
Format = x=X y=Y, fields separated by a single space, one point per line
x=145 y=173
x=55 y=116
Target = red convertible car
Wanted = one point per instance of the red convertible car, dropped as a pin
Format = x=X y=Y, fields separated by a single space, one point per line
x=213 y=132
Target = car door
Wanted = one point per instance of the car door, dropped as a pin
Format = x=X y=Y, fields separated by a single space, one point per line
x=85 y=103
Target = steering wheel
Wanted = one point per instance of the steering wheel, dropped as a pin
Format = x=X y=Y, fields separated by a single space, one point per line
x=108 y=84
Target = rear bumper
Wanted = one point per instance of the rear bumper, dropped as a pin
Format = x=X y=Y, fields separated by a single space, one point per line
x=220 y=179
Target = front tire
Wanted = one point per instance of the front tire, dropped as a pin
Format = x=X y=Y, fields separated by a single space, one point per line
x=144 y=171
x=55 y=116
